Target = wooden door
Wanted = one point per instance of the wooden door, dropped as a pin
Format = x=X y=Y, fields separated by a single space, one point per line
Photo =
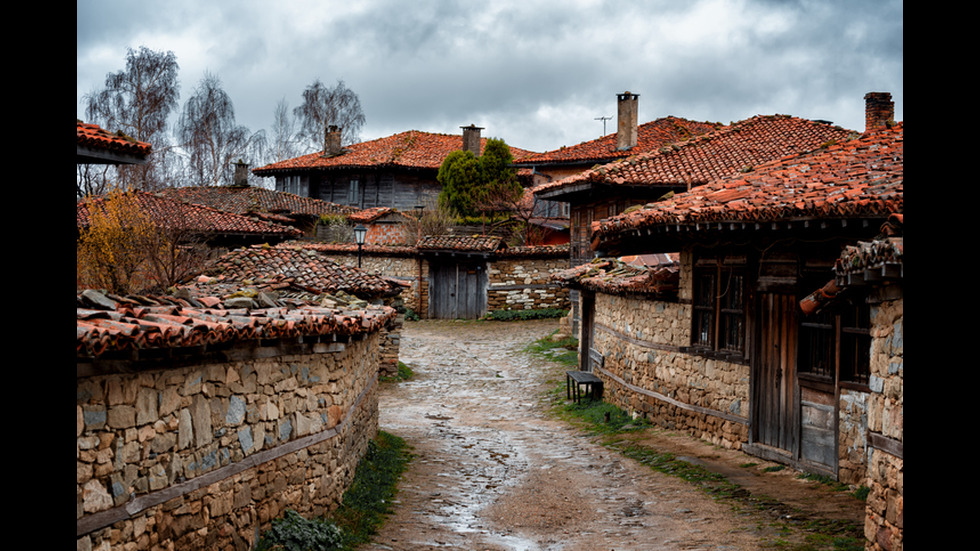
x=457 y=290
x=775 y=395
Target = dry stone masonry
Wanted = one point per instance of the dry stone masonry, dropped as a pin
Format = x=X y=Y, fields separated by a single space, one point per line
x=203 y=448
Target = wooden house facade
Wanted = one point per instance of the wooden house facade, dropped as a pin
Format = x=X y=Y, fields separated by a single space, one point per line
x=397 y=171
x=763 y=344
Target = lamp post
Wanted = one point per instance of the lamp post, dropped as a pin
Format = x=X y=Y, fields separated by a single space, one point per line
x=359 y=233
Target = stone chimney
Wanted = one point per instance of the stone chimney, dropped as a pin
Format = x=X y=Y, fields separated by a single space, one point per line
x=471 y=139
x=241 y=174
x=879 y=110
x=331 y=141
x=626 y=125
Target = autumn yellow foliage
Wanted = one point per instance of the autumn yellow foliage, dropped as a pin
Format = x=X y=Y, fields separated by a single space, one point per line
x=115 y=250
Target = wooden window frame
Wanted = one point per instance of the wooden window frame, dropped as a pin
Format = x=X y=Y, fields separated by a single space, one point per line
x=718 y=323
x=846 y=353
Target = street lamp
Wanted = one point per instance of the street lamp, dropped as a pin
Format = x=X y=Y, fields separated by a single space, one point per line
x=359 y=233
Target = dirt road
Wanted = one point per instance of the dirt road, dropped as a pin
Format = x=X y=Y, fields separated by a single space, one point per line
x=494 y=472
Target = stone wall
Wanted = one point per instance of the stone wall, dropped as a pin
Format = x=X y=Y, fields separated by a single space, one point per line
x=525 y=283
x=646 y=373
x=206 y=455
x=884 y=524
x=400 y=267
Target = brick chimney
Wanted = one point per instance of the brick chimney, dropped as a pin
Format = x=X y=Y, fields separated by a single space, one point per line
x=471 y=139
x=626 y=125
x=241 y=174
x=331 y=141
x=879 y=110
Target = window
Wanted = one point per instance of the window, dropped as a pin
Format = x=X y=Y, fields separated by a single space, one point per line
x=719 y=306
x=353 y=194
x=855 y=343
x=837 y=340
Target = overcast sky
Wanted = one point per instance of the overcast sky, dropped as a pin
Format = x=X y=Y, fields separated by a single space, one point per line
x=536 y=73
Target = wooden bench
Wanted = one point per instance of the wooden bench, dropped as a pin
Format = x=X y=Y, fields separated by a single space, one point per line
x=576 y=380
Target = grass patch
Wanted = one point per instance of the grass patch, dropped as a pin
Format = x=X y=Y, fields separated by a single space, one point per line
x=523 y=315
x=365 y=505
x=368 y=500
x=618 y=431
x=404 y=373
x=562 y=351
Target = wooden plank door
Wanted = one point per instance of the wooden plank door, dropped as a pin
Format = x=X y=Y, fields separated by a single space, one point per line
x=457 y=290
x=775 y=395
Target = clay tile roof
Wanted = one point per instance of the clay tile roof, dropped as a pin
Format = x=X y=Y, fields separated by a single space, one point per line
x=862 y=177
x=609 y=275
x=107 y=326
x=255 y=201
x=727 y=150
x=413 y=149
x=650 y=136
x=475 y=243
x=94 y=143
x=375 y=213
x=536 y=251
x=194 y=218
x=294 y=266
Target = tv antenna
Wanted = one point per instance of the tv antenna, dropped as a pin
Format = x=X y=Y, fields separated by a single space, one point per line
x=603 y=119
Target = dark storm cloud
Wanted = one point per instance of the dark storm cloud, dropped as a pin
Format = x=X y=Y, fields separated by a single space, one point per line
x=537 y=74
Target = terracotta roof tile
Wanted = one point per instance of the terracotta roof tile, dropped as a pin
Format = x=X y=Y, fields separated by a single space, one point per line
x=255 y=200
x=375 y=213
x=412 y=149
x=536 y=251
x=195 y=218
x=613 y=276
x=112 y=324
x=94 y=137
x=725 y=151
x=346 y=248
x=651 y=135
x=299 y=267
x=475 y=243
x=856 y=178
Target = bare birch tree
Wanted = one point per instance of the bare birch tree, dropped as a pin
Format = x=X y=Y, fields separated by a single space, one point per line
x=138 y=101
x=323 y=106
x=210 y=136
x=285 y=144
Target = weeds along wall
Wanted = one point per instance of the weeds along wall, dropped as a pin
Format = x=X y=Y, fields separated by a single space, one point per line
x=205 y=455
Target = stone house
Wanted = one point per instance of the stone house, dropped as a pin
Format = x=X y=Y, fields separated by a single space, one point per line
x=762 y=345
x=397 y=171
x=288 y=209
x=199 y=421
x=689 y=155
x=629 y=140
